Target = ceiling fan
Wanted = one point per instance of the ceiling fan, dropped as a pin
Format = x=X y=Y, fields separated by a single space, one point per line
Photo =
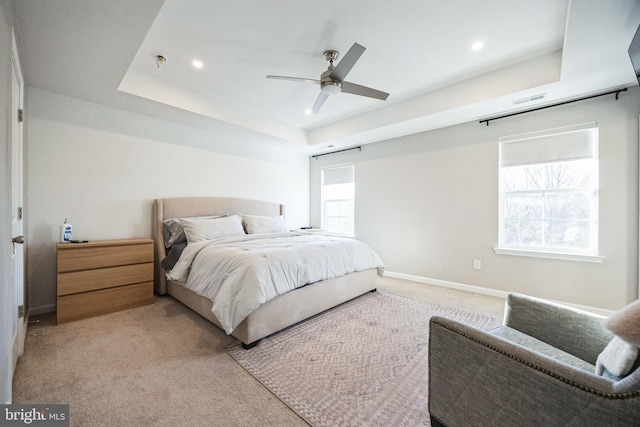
x=332 y=81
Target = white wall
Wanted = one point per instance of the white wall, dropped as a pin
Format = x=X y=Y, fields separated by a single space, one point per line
x=428 y=204
x=102 y=167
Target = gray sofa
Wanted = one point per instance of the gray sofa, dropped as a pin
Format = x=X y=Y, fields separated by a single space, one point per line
x=536 y=370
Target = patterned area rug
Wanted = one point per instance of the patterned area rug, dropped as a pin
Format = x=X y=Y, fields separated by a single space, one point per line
x=363 y=363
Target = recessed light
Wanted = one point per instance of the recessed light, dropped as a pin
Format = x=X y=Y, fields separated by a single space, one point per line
x=308 y=112
x=198 y=64
x=477 y=46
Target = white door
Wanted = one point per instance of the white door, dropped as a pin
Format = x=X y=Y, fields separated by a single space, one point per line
x=16 y=157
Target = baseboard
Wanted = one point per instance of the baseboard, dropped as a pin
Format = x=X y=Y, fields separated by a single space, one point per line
x=447 y=284
x=486 y=291
x=34 y=311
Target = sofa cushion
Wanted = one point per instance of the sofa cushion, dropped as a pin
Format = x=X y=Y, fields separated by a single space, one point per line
x=541 y=347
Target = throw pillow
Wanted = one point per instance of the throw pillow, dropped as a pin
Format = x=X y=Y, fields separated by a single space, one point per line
x=617 y=357
x=625 y=323
x=620 y=355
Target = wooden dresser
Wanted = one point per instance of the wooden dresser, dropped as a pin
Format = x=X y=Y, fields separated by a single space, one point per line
x=103 y=276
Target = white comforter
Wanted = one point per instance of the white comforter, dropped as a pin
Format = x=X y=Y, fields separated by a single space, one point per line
x=239 y=273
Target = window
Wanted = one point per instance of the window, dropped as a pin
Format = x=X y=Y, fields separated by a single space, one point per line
x=549 y=192
x=338 y=191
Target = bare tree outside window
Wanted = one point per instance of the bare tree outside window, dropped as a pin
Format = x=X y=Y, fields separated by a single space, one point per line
x=548 y=205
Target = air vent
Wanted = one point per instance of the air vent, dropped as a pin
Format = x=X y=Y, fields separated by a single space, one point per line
x=530 y=99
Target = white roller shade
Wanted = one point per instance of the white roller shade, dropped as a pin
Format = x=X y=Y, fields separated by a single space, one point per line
x=340 y=175
x=568 y=143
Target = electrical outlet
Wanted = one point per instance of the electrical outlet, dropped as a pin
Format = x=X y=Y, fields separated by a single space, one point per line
x=477 y=264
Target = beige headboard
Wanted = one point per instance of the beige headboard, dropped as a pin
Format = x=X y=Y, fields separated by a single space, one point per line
x=183 y=207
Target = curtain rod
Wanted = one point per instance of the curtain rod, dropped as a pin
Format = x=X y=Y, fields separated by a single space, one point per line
x=617 y=92
x=359 y=148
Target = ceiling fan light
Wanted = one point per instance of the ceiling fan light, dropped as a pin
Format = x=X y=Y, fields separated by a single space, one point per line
x=332 y=88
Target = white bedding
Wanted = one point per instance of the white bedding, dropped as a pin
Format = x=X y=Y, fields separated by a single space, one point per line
x=239 y=273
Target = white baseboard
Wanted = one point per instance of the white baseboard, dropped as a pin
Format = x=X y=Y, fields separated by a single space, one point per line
x=486 y=291
x=447 y=284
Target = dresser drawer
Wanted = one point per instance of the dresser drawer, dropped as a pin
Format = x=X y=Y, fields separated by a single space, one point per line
x=88 y=256
x=88 y=304
x=91 y=280
x=103 y=276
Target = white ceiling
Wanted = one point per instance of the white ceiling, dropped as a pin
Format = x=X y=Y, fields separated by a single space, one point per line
x=417 y=50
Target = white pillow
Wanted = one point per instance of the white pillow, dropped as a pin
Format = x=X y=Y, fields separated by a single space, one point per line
x=255 y=224
x=208 y=229
x=625 y=323
x=617 y=357
x=620 y=355
x=173 y=231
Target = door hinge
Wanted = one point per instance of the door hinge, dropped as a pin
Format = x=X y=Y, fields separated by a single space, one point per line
x=20 y=117
x=20 y=311
x=20 y=213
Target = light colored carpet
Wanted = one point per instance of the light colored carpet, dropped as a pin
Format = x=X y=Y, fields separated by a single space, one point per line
x=363 y=363
x=157 y=365
x=163 y=365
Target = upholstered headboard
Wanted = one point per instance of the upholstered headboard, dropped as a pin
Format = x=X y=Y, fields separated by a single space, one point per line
x=183 y=207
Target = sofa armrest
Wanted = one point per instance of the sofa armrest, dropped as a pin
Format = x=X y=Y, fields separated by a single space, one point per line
x=478 y=379
x=571 y=330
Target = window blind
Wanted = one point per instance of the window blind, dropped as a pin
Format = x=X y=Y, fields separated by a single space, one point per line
x=341 y=175
x=561 y=144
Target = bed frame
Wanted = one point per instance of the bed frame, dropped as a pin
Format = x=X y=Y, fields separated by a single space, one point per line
x=276 y=314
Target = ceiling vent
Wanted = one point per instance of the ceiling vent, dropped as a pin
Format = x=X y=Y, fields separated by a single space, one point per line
x=530 y=99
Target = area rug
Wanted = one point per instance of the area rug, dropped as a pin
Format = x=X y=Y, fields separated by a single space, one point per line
x=363 y=363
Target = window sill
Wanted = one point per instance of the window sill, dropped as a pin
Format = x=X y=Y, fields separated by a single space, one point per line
x=549 y=255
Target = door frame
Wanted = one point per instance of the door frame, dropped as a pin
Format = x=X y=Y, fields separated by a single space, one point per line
x=18 y=273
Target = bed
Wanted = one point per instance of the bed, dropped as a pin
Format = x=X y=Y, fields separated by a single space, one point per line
x=277 y=313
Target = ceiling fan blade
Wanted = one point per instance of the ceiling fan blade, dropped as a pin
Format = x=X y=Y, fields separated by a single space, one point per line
x=355 y=89
x=347 y=62
x=295 y=79
x=321 y=98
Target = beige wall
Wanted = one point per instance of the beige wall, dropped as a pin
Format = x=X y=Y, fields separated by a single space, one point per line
x=102 y=167
x=428 y=204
